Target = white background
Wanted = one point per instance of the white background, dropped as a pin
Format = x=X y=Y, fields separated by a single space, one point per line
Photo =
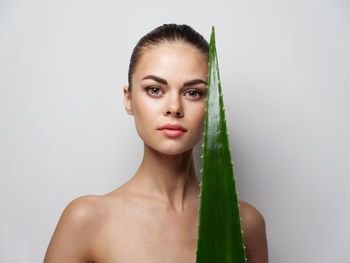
x=285 y=68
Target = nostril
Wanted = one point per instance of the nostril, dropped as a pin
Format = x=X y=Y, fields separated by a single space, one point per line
x=168 y=112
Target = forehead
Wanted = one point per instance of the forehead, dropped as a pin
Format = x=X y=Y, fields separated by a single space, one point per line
x=176 y=59
x=173 y=45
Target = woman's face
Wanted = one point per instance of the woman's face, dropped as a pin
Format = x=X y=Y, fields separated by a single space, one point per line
x=168 y=97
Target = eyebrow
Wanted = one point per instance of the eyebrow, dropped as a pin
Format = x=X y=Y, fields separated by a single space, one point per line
x=164 y=82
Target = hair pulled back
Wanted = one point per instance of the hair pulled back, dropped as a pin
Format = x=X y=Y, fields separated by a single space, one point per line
x=167 y=33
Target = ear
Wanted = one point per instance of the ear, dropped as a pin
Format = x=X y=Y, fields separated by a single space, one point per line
x=127 y=100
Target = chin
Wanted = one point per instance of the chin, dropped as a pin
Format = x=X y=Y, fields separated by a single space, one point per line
x=172 y=147
x=172 y=150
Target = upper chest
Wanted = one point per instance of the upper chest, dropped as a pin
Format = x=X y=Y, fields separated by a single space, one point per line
x=145 y=234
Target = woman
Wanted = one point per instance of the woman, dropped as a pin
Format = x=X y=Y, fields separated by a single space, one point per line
x=153 y=217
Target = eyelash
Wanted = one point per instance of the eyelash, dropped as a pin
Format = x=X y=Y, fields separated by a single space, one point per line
x=149 y=90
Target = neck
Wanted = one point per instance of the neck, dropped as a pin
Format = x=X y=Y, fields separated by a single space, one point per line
x=171 y=178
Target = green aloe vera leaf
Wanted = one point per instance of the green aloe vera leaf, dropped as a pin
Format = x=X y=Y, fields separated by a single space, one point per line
x=220 y=237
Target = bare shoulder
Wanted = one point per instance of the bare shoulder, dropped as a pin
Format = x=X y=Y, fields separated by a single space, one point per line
x=254 y=233
x=83 y=211
x=251 y=217
x=80 y=220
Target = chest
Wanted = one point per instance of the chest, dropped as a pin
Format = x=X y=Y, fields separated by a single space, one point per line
x=148 y=238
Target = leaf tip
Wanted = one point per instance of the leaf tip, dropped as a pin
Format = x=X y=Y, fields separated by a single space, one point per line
x=212 y=32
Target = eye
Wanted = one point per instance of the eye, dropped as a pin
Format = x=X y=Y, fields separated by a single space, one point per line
x=193 y=93
x=154 y=91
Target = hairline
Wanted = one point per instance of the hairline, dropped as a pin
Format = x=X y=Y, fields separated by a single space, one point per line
x=154 y=44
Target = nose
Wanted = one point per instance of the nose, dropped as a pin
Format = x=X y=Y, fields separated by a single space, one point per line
x=174 y=107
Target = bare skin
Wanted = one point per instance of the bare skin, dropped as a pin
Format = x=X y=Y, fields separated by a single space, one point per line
x=129 y=226
x=153 y=217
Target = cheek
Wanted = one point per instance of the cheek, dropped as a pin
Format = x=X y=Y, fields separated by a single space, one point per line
x=145 y=112
x=197 y=115
x=201 y=112
x=198 y=119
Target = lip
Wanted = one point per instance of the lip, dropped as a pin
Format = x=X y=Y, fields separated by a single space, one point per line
x=172 y=130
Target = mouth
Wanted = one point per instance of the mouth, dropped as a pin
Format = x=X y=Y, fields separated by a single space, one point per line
x=172 y=130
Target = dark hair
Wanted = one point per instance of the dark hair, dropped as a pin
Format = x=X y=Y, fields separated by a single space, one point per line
x=167 y=33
